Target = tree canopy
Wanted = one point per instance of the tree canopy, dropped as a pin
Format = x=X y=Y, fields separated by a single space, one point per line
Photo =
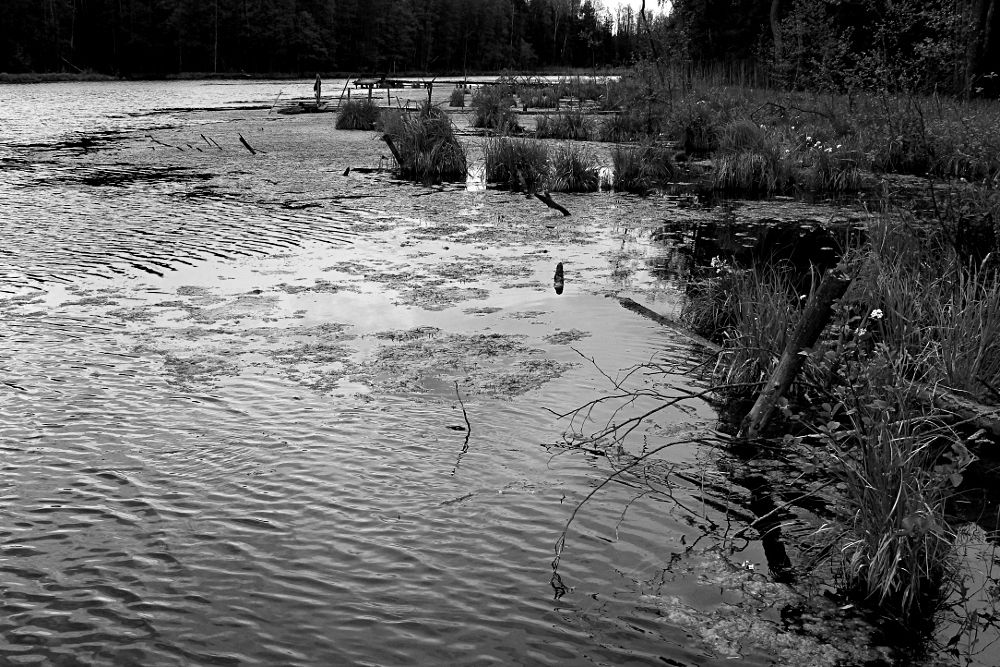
x=136 y=37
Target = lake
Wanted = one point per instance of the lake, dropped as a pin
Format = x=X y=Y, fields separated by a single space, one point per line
x=282 y=409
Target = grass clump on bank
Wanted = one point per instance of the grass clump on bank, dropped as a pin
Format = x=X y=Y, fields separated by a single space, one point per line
x=424 y=144
x=492 y=108
x=457 y=98
x=632 y=126
x=573 y=169
x=520 y=164
x=358 y=115
x=922 y=317
x=641 y=168
x=574 y=125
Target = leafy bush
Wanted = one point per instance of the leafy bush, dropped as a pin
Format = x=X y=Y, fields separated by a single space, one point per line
x=358 y=115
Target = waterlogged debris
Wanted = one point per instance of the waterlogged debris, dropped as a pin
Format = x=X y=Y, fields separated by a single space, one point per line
x=566 y=337
x=812 y=631
x=426 y=359
x=439 y=297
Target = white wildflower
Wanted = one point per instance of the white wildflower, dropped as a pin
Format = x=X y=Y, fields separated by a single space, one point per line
x=877 y=314
x=862 y=331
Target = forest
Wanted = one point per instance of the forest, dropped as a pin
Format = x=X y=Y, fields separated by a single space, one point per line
x=157 y=37
x=808 y=43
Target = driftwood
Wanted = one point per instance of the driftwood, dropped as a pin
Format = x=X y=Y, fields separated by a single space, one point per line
x=975 y=414
x=814 y=319
x=248 y=146
x=392 y=148
x=667 y=322
x=548 y=201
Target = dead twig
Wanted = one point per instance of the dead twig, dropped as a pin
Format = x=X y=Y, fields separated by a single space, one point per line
x=468 y=430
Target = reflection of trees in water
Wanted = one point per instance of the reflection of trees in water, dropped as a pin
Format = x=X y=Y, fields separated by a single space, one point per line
x=690 y=246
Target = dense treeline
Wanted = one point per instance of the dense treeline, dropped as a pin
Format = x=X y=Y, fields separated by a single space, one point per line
x=931 y=45
x=129 y=37
x=843 y=45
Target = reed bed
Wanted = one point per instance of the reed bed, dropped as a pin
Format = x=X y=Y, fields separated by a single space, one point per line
x=426 y=143
x=641 y=168
x=492 y=108
x=518 y=163
x=573 y=169
x=574 y=125
x=358 y=115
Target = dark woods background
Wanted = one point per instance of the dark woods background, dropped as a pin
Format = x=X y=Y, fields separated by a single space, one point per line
x=951 y=45
x=127 y=37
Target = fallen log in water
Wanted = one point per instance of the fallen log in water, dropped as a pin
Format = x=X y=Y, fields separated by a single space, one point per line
x=975 y=414
x=667 y=322
x=546 y=198
x=814 y=319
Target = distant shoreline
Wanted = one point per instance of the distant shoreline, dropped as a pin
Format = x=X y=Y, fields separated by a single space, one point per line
x=48 y=77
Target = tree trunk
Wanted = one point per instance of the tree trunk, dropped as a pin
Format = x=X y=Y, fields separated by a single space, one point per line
x=814 y=319
x=776 y=29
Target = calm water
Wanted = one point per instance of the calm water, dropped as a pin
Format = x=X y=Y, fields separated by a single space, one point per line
x=177 y=487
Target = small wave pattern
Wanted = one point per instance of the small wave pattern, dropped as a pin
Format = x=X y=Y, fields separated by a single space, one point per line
x=61 y=222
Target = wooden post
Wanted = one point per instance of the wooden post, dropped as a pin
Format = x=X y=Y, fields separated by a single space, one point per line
x=430 y=89
x=340 y=100
x=814 y=319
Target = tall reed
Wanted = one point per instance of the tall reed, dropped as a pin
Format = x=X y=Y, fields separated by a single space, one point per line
x=521 y=164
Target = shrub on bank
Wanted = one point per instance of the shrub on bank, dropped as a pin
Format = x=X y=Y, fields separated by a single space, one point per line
x=358 y=115
x=457 y=98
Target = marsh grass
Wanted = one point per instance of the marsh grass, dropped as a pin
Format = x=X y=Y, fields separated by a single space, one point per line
x=358 y=115
x=749 y=159
x=938 y=306
x=534 y=97
x=428 y=148
x=631 y=126
x=573 y=169
x=518 y=163
x=492 y=108
x=574 y=125
x=749 y=311
x=641 y=168
x=457 y=98
x=898 y=467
